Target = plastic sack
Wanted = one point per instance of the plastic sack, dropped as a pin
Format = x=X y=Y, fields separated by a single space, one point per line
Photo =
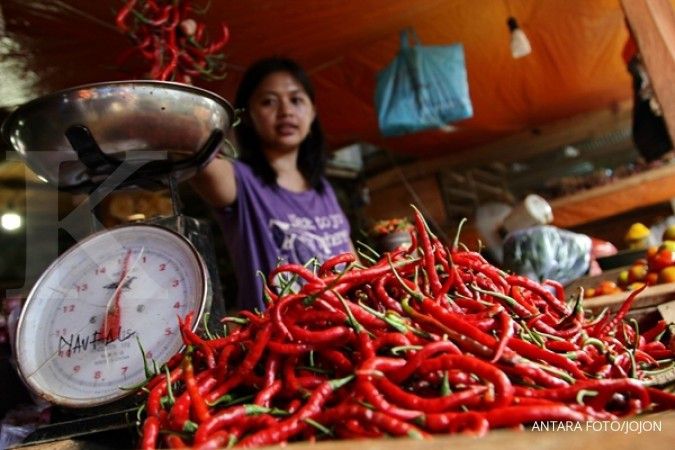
x=547 y=252
x=423 y=87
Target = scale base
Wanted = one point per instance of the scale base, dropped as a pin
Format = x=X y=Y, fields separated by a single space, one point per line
x=106 y=431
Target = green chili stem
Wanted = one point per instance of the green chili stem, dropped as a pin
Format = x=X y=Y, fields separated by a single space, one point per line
x=318 y=426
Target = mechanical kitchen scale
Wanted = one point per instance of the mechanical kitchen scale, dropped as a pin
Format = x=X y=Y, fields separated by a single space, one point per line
x=77 y=339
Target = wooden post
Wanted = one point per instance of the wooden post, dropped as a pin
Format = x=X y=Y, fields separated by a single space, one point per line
x=653 y=25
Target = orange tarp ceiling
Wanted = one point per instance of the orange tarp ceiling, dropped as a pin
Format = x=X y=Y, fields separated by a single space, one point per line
x=575 y=65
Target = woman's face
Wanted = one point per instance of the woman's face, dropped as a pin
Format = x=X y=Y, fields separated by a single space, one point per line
x=281 y=112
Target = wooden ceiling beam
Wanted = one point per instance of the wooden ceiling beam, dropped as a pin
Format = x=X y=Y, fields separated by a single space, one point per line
x=516 y=147
x=653 y=25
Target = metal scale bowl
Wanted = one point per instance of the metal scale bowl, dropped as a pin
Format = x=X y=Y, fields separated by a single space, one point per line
x=76 y=340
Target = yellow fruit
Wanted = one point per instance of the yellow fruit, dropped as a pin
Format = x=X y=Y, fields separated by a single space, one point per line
x=637 y=272
x=667 y=275
x=637 y=231
x=622 y=279
x=667 y=245
x=637 y=236
x=634 y=286
x=669 y=233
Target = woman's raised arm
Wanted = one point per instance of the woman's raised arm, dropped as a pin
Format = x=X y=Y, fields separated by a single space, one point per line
x=215 y=183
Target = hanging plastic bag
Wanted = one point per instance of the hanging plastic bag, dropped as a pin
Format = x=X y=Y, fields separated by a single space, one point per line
x=423 y=87
x=547 y=252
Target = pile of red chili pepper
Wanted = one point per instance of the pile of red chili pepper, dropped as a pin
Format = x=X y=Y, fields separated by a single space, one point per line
x=175 y=46
x=430 y=339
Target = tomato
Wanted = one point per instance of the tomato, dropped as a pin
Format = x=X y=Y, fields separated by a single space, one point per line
x=637 y=272
x=652 y=278
x=662 y=259
x=607 y=287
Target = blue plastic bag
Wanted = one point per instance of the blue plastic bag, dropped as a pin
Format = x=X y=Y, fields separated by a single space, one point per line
x=423 y=87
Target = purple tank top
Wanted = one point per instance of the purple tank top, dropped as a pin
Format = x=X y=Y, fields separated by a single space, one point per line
x=268 y=224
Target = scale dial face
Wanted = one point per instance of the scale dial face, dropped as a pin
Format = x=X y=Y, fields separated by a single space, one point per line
x=78 y=334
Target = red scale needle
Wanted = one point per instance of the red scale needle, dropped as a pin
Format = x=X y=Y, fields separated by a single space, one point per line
x=110 y=330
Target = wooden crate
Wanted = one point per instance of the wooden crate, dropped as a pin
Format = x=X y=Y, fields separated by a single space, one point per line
x=649 y=298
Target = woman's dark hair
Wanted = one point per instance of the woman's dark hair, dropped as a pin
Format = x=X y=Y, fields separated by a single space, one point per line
x=311 y=160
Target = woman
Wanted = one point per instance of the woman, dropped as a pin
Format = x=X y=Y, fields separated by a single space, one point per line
x=274 y=204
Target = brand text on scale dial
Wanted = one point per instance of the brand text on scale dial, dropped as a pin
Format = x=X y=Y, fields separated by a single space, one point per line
x=76 y=343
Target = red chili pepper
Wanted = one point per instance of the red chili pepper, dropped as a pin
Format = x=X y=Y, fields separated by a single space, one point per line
x=561 y=346
x=383 y=296
x=172 y=363
x=123 y=14
x=191 y=337
x=154 y=398
x=330 y=263
x=298 y=270
x=422 y=355
x=653 y=332
x=524 y=282
x=536 y=353
x=538 y=324
x=533 y=375
x=502 y=384
x=380 y=420
x=246 y=366
x=174 y=441
x=665 y=400
x=428 y=253
x=223 y=363
x=277 y=312
x=390 y=340
x=170 y=68
x=474 y=342
x=339 y=362
x=223 y=418
x=517 y=294
x=217 y=440
x=468 y=397
x=220 y=43
x=357 y=277
x=603 y=328
x=366 y=387
x=264 y=397
x=353 y=429
x=487 y=269
x=314 y=316
x=199 y=407
x=510 y=416
x=559 y=288
x=319 y=337
x=454 y=422
x=506 y=334
x=291 y=426
x=238 y=335
x=150 y=433
x=290 y=349
x=180 y=412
